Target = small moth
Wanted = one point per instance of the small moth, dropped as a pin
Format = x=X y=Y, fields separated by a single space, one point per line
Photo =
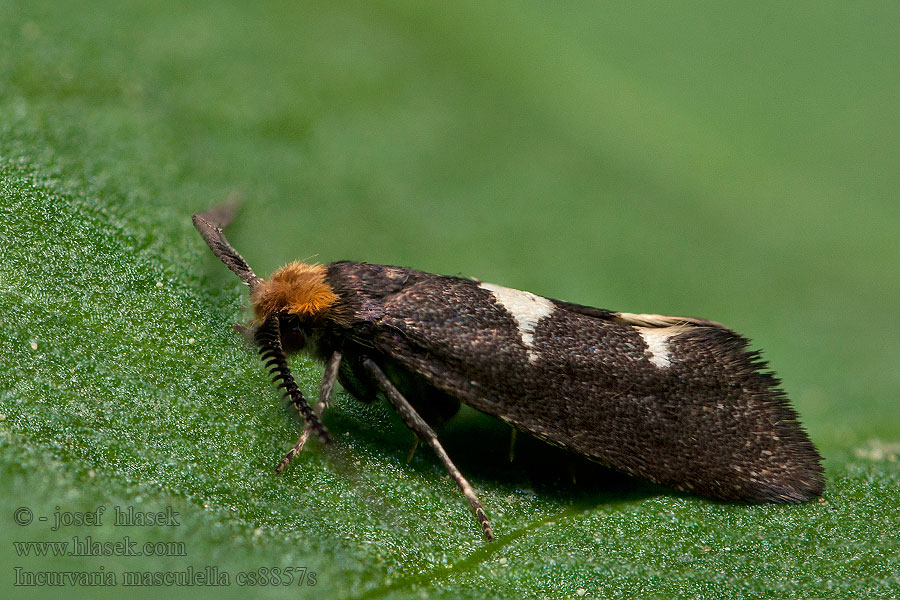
x=676 y=400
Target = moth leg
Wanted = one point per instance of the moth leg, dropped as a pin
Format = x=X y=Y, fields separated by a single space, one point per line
x=512 y=444
x=268 y=336
x=424 y=432
x=331 y=373
x=412 y=450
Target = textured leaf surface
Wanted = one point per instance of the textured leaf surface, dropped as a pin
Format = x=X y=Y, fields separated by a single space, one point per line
x=734 y=163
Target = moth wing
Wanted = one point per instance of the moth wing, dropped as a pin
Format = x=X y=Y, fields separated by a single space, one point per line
x=678 y=401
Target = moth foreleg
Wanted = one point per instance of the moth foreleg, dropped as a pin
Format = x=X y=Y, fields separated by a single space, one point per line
x=325 y=390
x=425 y=433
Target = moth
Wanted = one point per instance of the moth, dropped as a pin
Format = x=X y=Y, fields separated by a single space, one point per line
x=677 y=400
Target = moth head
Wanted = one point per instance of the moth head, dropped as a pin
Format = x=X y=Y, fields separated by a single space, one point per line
x=297 y=294
x=296 y=291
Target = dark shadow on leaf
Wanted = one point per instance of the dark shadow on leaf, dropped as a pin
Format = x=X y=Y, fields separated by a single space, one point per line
x=480 y=447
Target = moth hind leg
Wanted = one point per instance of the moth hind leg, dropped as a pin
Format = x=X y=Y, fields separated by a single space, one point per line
x=433 y=405
x=424 y=432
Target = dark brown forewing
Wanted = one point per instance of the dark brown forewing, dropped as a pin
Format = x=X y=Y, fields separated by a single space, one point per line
x=711 y=422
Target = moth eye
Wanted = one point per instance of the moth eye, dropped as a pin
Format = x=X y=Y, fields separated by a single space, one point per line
x=292 y=337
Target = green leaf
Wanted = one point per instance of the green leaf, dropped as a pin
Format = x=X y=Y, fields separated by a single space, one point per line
x=718 y=160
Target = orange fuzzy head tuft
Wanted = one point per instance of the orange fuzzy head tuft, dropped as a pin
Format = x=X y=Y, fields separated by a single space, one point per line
x=295 y=288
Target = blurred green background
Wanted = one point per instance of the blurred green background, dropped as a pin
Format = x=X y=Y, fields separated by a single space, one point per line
x=735 y=161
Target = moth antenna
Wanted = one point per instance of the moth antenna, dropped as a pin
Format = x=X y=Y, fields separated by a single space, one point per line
x=268 y=336
x=331 y=373
x=211 y=224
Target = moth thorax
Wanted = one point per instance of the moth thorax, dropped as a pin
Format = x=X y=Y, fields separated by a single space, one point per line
x=297 y=289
